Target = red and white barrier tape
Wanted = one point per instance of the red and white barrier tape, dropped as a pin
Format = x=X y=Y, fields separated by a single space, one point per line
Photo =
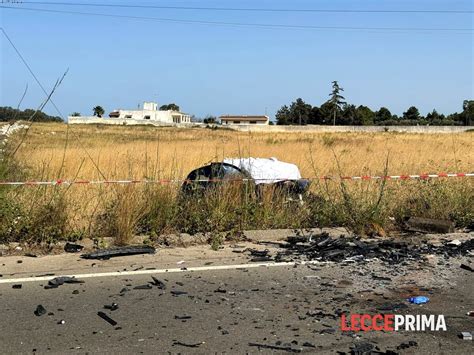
x=168 y=181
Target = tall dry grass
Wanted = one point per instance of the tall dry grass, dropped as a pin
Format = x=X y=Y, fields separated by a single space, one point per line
x=153 y=153
x=137 y=152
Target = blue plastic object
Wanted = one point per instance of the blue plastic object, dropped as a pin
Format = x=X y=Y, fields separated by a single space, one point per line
x=419 y=299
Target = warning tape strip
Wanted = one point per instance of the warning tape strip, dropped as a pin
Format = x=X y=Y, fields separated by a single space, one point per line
x=170 y=181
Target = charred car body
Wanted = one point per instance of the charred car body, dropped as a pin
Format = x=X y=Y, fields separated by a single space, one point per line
x=258 y=172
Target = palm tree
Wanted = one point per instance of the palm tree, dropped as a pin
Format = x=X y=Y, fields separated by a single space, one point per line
x=98 y=111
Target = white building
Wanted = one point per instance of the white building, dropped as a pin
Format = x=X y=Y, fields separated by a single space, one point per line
x=150 y=114
x=244 y=120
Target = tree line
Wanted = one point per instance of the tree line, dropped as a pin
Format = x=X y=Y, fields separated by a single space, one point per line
x=336 y=111
x=8 y=114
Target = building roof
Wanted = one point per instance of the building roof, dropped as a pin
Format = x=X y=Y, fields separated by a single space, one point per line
x=244 y=118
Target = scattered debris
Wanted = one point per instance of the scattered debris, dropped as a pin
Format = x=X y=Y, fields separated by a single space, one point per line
x=467 y=267
x=123 y=290
x=188 y=345
x=112 y=307
x=107 y=318
x=31 y=255
x=73 y=248
x=323 y=247
x=158 y=283
x=289 y=349
x=293 y=239
x=403 y=346
x=259 y=259
x=381 y=278
x=465 y=336
x=320 y=315
x=418 y=299
x=143 y=287
x=258 y=253
x=105 y=254
x=58 y=281
x=328 y=331
x=40 y=311
x=182 y=317
x=17 y=286
x=362 y=348
x=178 y=293
x=427 y=225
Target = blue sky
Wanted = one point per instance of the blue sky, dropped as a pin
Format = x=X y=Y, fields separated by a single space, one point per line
x=209 y=69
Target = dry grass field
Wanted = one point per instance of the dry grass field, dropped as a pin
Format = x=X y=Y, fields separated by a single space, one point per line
x=56 y=151
x=138 y=152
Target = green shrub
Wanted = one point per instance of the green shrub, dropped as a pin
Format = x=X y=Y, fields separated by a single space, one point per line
x=44 y=221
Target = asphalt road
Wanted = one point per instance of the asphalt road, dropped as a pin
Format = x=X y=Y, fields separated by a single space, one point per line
x=291 y=308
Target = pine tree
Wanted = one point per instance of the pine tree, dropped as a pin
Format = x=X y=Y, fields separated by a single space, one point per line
x=336 y=100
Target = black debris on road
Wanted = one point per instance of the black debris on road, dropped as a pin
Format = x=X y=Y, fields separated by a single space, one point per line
x=158 y=283
x=323 y=247
x=107 y=318
x=111 y=307
x=187 y=345
x=119 y=251
x=40 y=311
x=58 y=281
x=178 y=293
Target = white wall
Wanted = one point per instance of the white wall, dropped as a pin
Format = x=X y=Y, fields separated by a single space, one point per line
x=329 y=129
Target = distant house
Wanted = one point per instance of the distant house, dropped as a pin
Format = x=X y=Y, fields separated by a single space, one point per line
x=244 y=120
x=150 y=112
x=149 y=115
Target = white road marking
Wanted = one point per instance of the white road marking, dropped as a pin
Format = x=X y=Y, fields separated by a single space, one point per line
x=160 y=271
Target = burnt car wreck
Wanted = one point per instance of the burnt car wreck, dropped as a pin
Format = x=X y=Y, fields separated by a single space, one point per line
x=256 y=172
